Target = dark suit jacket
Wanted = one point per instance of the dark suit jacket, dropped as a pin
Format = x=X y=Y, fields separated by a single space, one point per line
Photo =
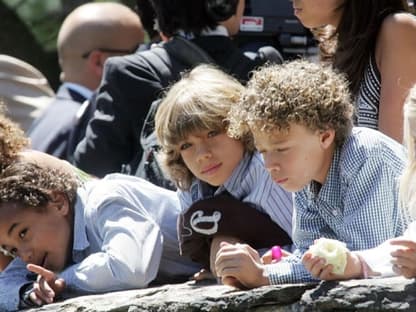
x=50 y=132
x=130 y=84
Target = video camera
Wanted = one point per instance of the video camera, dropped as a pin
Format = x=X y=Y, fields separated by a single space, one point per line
x=272 y=22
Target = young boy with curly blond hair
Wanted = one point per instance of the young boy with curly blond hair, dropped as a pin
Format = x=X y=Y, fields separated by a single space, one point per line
x=396 y=256
x=344 y=178
x=224 y=189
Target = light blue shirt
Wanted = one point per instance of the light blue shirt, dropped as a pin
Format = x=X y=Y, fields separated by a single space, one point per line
x=251 y=183
x=124 y=237
x=358 y=203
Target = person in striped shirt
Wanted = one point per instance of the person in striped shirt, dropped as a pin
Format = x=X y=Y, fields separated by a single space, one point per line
x=225 y=191
x=344 y=178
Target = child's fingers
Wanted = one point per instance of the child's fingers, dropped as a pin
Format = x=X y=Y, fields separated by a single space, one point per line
x=267 y=257
x=404 y=261
x=232 y=281
x=407 y=272
x=46 y=297
x=35 y=299
x=48 y=275
x=315 y=266
x=404 y=242
x=46 y=288
x=405 y=254
x=326 y=273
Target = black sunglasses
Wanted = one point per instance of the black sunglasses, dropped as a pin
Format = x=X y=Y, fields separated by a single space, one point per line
x=118 y=51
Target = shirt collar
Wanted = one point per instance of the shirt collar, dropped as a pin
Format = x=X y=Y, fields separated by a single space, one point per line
x=332 y=183
x=84 y=91
x=219 y=30
x=80 y=235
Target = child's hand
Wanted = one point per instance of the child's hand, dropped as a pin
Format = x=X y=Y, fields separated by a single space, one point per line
x=47 y=286
x=404 y=259
x=240 y=266
x=203 y=274
x=267 y=257
x=319 y=269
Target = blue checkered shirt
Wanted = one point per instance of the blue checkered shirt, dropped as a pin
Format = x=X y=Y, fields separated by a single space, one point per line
x=357 y=204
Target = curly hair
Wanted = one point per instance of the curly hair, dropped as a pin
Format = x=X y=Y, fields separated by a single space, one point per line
x=31 y=185
x=299 y=92
x=12 y=139
x=200 y=101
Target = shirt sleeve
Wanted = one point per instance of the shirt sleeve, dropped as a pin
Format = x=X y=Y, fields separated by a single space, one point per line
x=12 y=279
x=371 y=214
x=289 y=270
x=130 y=253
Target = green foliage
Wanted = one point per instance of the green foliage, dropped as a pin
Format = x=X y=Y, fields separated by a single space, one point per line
x=44 y=17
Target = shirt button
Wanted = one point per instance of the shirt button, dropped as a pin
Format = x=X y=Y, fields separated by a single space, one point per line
x=335 y=213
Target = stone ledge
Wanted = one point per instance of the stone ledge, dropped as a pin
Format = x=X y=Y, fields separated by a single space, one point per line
x=392 y=294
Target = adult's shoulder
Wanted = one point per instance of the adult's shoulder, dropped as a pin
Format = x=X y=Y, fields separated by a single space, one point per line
x=398 y=23
x=397 y=31
x=127 y=63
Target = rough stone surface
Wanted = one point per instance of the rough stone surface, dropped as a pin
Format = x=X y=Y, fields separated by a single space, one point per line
x=393 y=294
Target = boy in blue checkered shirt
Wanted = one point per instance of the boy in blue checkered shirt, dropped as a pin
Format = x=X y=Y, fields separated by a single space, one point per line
x=344 y=178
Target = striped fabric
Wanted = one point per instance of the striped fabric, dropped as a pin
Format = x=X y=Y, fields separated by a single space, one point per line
x=368 y=99
x=251 y=183
x=358 y=204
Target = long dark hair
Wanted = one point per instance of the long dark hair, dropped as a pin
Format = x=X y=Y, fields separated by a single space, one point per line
x=356 y=36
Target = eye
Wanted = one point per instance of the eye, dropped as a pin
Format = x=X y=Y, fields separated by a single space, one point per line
x=280 y=150
x=22 y=233
x=213 y=133
x=185 y=146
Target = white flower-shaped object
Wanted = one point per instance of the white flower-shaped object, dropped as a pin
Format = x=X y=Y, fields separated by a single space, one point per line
x=333 y=251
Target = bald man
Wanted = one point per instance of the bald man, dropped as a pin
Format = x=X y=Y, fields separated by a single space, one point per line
x=88 y=36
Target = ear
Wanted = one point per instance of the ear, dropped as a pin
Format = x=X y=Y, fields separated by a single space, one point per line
x=96 y=61
x=326 y=138
x=58 y=203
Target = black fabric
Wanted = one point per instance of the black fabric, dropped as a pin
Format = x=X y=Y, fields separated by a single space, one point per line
x=129 y=86
x=81 y=120
x=223 y=214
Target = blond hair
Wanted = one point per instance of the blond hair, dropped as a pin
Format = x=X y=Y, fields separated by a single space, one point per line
x=299 y=92
x=200 y=101
x=407 y=189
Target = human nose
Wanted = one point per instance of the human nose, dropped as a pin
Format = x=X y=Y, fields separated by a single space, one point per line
x=270 y=161
x=203 y=151
x=25 y=253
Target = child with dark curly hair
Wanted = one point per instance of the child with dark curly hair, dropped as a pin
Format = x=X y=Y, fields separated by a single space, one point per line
x=14 y=145
x=98 y=236
x=207 y=164
x=344 y=178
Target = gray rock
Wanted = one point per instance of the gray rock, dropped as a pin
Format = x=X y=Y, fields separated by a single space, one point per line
x=393 y=294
